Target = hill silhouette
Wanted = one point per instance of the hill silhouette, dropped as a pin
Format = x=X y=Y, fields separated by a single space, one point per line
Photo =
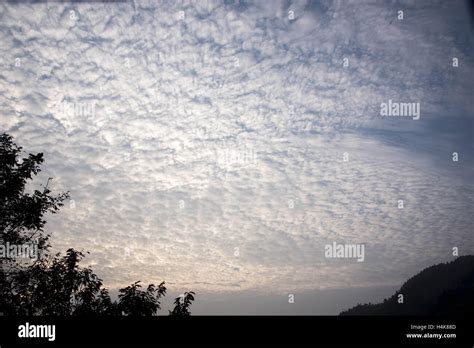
x=443 y=289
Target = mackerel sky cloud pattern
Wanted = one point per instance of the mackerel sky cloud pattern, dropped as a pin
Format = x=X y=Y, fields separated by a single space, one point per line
x=203 y=142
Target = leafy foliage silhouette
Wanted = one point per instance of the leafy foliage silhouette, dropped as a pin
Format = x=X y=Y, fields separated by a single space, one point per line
x=443 y=289
x=136 y=302
x=182 y=304
x=54 y=284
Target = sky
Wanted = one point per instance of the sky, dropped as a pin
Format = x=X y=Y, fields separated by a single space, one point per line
x=221 y=146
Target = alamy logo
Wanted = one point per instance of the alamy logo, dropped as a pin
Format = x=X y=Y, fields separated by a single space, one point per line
x=27 y=250
x=346 y=251
x=84 y=110
x=37 y=331
x=400 y=109
x=236 y=158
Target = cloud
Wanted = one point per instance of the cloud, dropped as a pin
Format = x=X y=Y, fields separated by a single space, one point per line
x=206 y=147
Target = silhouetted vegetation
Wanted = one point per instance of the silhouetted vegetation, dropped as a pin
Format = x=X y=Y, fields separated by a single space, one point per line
x=443 y=289
x=54 y=284
x=182 y=304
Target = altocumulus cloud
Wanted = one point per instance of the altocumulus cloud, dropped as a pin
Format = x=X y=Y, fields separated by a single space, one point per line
x=221 y=145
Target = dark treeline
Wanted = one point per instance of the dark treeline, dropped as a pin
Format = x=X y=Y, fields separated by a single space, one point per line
x=55 y=284
x=439 y=290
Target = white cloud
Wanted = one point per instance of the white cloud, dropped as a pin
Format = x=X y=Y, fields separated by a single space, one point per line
x=176 y=118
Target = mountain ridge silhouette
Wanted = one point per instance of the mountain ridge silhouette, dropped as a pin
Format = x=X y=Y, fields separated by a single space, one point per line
x=442 y=289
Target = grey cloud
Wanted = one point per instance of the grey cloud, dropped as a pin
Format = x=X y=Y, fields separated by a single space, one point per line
x=204 y=129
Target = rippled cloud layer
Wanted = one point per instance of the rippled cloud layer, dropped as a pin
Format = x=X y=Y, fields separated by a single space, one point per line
x=221 y=145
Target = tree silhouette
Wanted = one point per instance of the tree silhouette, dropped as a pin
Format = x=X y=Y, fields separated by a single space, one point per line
x=53 y=284
x=21 y=217
x=182 y=304
x=136 y=302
